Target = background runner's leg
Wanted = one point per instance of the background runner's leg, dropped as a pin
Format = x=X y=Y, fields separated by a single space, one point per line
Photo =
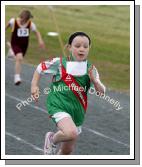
x=18 y=62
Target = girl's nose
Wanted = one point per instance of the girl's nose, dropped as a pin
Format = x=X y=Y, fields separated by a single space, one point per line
x=81 y=48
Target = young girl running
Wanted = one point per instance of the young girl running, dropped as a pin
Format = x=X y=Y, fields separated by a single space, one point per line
x=21 y=28
x=67 y=100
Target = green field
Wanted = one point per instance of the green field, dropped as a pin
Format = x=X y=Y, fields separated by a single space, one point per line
x=108 y=27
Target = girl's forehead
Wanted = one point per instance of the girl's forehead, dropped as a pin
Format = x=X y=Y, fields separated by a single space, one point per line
x=80 y=39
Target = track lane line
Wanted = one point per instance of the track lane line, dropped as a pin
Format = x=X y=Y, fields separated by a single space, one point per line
x=104 y=136
x=24 y=141
x=32 y=106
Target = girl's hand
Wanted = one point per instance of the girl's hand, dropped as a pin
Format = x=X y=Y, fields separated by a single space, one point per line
x=91 y=74
x=94 y=78
x=35 y=92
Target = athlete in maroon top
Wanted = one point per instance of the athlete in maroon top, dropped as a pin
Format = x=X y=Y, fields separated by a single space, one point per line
x=22 y=36
x=21 y=28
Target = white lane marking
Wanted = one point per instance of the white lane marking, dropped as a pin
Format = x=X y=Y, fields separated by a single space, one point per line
x=24 y=141
x=104 y=136
x=19 y=100
x=88 y=129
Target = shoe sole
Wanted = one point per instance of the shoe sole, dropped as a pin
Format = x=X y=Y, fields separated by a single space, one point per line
x=18 y=83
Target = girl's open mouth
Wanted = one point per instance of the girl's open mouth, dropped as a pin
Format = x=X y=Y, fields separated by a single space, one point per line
x=81 y=55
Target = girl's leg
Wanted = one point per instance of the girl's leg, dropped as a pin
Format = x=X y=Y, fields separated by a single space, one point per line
x=67 y=131
x=67 y=134
x=67 y=147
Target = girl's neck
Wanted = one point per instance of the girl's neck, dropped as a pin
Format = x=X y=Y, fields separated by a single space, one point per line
x=72 y=58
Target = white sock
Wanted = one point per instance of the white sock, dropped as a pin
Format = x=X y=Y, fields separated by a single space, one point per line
x=17 y=75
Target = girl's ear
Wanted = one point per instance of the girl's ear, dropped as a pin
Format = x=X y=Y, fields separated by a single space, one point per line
x=67 y=46
x=90 y=46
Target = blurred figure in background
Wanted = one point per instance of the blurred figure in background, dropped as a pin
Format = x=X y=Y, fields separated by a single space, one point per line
x=21 y=28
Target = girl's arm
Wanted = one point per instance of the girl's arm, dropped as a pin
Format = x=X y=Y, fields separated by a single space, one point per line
x=45 y=67
x=34 y=84
x=99 y=87
x=94 y=77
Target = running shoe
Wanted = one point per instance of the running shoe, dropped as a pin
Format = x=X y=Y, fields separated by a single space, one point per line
x=17 y=79
x=49 y=147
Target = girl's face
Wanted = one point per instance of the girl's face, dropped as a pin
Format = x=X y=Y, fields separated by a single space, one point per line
x=80 y=48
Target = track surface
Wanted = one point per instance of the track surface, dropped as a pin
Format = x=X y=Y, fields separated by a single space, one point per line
x=106 y=131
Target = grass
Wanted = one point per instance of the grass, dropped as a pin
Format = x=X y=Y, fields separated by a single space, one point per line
x=108 y=27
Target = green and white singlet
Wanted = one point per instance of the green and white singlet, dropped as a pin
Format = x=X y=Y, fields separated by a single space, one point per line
x=61 y=98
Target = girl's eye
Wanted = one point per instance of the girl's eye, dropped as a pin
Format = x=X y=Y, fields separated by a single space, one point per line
x=86 y=46
x=77 y=46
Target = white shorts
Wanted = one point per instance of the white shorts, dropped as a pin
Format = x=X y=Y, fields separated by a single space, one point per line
x=60 y=115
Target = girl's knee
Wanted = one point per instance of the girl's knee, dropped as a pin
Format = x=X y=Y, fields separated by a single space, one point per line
x=72 y=134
